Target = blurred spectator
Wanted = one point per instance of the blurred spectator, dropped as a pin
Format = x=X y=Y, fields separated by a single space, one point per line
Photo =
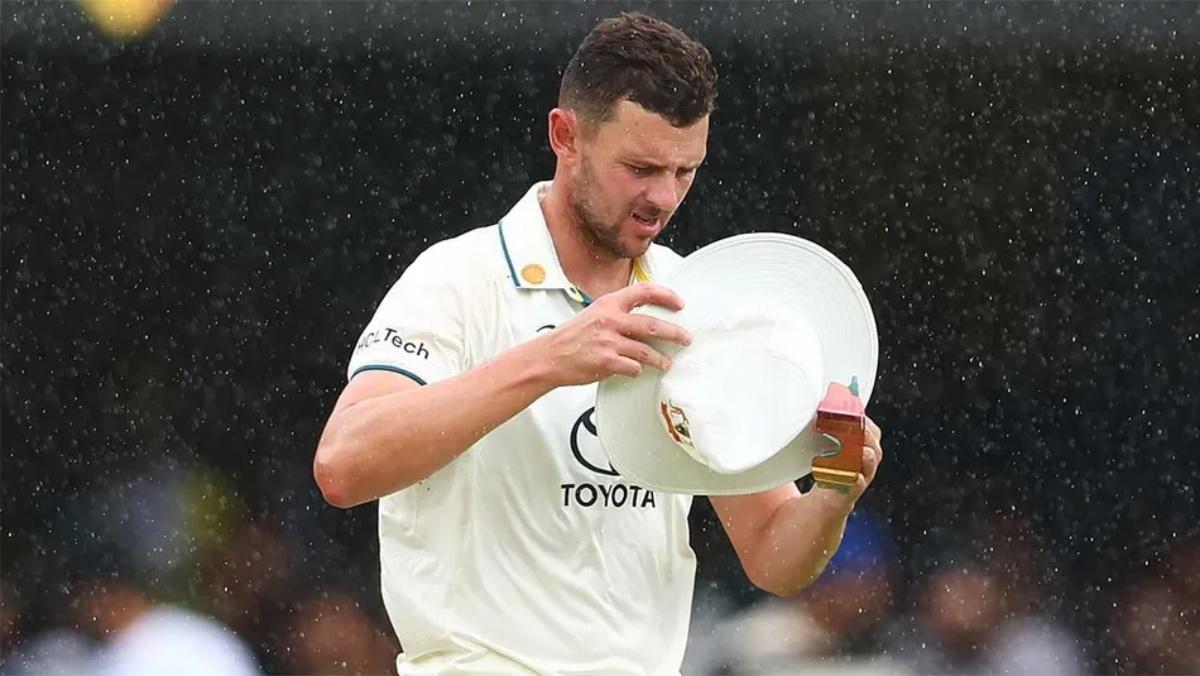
x=1183 y=567
x=56 y=651
x=144 y=637
x=53 y=652
x=331 y=634
x=8 y=616
x=972 y=619
x=136 y=540
x=1156 y=621
x=251 y=588
x=834 y=624
x=119 y=629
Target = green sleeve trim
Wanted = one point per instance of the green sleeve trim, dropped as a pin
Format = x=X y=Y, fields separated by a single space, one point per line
x=394 y=369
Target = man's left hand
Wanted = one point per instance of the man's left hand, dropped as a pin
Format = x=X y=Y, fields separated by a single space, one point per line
x=872 y=457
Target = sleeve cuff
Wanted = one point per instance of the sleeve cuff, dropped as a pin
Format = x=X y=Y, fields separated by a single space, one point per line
x=394 y=369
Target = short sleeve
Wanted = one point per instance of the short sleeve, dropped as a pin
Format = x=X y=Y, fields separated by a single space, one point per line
x=419 y=328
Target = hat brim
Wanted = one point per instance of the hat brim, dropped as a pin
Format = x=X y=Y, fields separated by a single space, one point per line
x=746 y=268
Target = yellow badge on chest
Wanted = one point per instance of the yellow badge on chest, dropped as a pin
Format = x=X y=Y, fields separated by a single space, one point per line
x=533 y=273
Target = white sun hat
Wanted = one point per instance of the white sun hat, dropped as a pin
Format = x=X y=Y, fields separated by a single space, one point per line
x=774 y=320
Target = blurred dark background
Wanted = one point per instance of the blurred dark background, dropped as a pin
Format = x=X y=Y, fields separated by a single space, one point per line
x=199 y=219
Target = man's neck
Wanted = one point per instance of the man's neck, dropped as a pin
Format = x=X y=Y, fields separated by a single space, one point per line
x=594 y=270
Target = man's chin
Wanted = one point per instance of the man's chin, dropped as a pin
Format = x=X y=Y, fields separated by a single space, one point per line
x=637 y=250
x=637 y=253
x=623 y=247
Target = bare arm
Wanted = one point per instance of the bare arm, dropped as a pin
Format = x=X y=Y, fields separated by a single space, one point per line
x=387 y=433
x=784 y=539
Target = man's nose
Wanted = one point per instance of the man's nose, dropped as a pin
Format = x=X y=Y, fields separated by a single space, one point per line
x=663 y=193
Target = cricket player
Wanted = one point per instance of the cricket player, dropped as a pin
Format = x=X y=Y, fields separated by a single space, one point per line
x=508 y=544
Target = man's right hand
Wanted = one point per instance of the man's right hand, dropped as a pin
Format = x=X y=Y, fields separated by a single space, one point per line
x=604 y=339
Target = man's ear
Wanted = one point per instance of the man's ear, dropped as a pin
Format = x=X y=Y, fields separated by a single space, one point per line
x=564 y=134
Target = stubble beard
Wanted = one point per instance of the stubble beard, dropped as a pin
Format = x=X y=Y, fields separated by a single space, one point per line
x=599 y=236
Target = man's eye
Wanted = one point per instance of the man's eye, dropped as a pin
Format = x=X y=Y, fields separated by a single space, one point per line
x=640 y=171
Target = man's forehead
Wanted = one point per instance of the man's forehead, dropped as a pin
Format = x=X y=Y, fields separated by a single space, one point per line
x=639 y=131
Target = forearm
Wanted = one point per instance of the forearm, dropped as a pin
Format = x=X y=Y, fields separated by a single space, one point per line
x=384 y=444
x=801 y=536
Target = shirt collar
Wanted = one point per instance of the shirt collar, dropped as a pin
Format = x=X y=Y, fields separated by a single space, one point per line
x=529 y=249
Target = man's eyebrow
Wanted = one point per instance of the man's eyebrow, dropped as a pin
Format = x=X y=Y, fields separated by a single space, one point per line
x=641 y=162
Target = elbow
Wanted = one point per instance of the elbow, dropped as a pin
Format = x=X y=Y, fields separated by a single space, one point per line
x=331 y=477
x=779 y=590
x=783 y=591
x=777 y=586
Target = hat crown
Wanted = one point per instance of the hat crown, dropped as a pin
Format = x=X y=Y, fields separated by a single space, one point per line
x=749 y=383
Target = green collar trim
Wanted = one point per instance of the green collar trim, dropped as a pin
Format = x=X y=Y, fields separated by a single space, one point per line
x=504 y=246
x=576 y=294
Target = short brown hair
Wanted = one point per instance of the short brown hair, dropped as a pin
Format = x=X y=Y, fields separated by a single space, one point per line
x=648 y=61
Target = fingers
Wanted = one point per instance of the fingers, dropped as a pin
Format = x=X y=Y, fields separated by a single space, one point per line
x=642 y=354
x=871 y=457
x=642 y=326
x=874 y=431
x=649 y=294
x=873 y=449
x=624 y=366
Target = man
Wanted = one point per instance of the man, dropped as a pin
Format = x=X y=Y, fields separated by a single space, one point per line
x=507 y=541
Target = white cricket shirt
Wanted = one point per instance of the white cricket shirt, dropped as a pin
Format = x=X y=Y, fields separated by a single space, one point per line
x=527 y=553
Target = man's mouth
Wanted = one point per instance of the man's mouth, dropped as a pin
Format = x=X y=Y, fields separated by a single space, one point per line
x=647 y=222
